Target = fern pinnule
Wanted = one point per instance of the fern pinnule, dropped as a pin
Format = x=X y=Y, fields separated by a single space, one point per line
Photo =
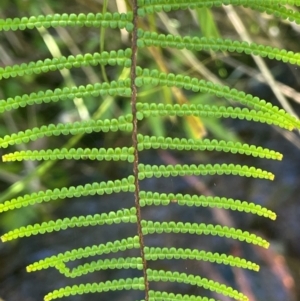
x=115 y=154
x=147 y=7
x=278 y=11
x=114 y=88
x=109 y=247
x=163 y=110
x=120 y=284
x=147 y=38
x=123 y=123
x=195 y=280
x=125 y=185
x=115 y=20
x=153 y=142
x=149 y=171
x=124 y=215
x=137 y=284
x=155 y=253
x=155 y=77
x=120 y=58
x=114 y=263
x=152 y=253
x=149 y=198
x=150 y=227
x=165 y=296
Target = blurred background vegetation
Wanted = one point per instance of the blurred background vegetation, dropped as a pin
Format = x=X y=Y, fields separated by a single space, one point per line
x=271 y=80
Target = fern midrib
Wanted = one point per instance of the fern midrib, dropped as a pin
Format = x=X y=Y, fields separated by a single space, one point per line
x=133 y=75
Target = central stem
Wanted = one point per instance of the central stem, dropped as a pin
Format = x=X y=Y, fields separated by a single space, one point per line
x=135 y=144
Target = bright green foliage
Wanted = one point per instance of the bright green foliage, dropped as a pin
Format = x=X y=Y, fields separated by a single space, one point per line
x=123 y=154
x=121 y=88
x=149 y=171
x=162 y=253
x=154 y=254
x=163 y=296
x=150 y=227
x=244 y=107
x=110 y=247
x=121 y=58
x=147 y=39
x=115 y=20
x=146 y=142
x=278 y=11
x=154 y=77
x=121 y=284
x=269 y=6
x=201 y=282
x=148 y=198
x=123 y=123
x=162 y=110
x=124 y=216
x=101 y=188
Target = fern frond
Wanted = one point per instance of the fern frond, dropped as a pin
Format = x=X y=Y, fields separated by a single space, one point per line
x=110 y=247
x=109 y=187
x=156 y=6
x=121 y=284
x=123 y=123
x=148 y=38
x=150 y=227
x=162 y=110
x=149 y=171
x=115 y=20
x=148 y=142
x=155 y=77
x=164 y=296
x=124 y=216
x=120 y=57
x=154 y=198
x=120 y=87
x=115 y=154
x=214 y=286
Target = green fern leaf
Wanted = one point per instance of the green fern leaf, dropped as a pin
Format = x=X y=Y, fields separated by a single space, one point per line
x=161 y=110
x=125 y=216
x=123 y=123
x=115 y=154
x=164 y=296
x=155 y=253
x=120 y=87
x=128 y=80
x=147 y=39
x=277 y=10
x=148 y=171
x=156 y=6
x=115 y=20
x=114 y=263
x=154 y=198
x=126 y=184
x=195 y=280
x=110 y=247
x=121 y=284
x=147 y=142
x=154 y=77
x=121 y=58
x=150 y=227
